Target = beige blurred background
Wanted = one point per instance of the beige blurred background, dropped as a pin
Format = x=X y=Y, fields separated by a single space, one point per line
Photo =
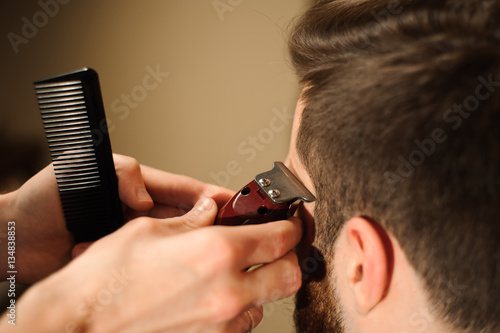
x=222 y=113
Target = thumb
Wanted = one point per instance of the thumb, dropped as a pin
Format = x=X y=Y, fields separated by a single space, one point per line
x=201 y=215
x=131 y=187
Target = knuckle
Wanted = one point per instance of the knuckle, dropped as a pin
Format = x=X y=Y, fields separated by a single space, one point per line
x=133 y=166
x=225 y=251
x=210 y=190
x=127 y=164
x=193 y=220
x=147 y=226
x=228 y=305
x=292 y=280
x=189 y=221
x=279 y=243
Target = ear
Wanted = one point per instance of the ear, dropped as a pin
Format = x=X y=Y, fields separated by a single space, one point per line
x=369 y=262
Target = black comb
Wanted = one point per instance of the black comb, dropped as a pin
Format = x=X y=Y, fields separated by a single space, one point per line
x=75 y=126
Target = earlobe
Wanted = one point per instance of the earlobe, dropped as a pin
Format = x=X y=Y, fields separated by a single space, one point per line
x=370 y=260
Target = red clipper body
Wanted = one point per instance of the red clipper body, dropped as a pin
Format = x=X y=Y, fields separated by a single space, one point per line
x=273 y=195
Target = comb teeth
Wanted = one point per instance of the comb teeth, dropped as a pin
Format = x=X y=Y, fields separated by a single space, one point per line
x=71 y=110
x=69 y=155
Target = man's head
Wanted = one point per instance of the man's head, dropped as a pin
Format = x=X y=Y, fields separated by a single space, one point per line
x=398 y=135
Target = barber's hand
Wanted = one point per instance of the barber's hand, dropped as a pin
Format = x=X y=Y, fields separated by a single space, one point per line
x=145 y=191
x=144 y=279
x=43 y=243
x=173 y=195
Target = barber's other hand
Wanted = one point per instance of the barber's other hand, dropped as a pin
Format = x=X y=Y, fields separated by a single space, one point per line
x=43 y=243
x=146 y=191
x=149 y=192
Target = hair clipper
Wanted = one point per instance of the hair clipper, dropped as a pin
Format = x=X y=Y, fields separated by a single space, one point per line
x=273 y=195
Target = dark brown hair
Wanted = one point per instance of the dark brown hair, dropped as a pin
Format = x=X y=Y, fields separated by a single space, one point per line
x=401 y=125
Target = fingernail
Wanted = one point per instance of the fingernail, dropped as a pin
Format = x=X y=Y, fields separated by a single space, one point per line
x=203 y=205
x=143 y=195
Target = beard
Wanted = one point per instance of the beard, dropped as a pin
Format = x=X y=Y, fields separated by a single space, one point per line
x=317 y=307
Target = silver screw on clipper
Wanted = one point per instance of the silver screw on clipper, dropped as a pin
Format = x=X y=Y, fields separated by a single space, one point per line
x=264 y=182
x=274 y=193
